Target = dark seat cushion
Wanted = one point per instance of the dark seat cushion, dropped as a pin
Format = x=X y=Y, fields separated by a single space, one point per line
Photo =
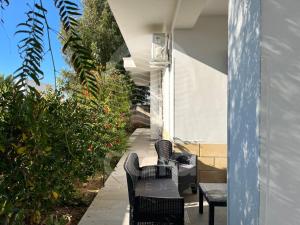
x=183 y=159
x=215 y=192
x=185 y=169
x=162 y=188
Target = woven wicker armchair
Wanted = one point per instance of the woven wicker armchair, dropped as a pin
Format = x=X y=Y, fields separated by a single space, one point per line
x=187 y=170
x=153 y=194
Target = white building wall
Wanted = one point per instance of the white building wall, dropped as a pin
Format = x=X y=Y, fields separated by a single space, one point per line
x=171 y=100
x=166 y=88
x=280 y=113
x=156 y=108
x=200 y=74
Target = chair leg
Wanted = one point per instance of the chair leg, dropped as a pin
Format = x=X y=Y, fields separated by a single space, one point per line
x=211 y=214
x=200 y=202
x=194 y=188
x=131 y=220
x=182 y=221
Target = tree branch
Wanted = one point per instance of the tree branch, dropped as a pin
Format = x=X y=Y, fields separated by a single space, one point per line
x=48 y=28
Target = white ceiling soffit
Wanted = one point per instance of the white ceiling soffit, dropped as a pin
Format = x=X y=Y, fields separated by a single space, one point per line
x=216 y=8
x=139 y=76
x=139 y=19
x=129 y=63
x=141 y=79
x=188 y=13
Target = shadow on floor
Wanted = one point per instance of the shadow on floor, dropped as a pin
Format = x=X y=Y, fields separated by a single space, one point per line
x=192 y=216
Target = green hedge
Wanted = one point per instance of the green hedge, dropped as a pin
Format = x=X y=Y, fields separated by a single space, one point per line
x=50 y=141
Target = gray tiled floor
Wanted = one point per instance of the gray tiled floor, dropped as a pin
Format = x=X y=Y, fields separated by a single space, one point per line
x=192 y=217
x=110 y=207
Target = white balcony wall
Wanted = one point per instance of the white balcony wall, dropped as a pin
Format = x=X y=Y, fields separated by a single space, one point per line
x=280 y=113
x=167 y=101
x=156 y=122
x=200 y=79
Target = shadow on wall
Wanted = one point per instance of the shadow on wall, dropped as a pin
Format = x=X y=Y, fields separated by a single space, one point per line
x=200 y=80
x=243 y=112
x=206 y=42
x=280 y=109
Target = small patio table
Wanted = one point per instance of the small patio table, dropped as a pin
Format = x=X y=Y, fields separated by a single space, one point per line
x=215 y=194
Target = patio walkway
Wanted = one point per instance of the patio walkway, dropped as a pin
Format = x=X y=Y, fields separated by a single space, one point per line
x=110 y=206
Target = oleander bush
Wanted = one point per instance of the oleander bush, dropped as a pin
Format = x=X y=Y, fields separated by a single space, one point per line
x=51 y=140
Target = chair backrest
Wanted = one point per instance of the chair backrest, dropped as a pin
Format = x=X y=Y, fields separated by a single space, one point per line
x=131 y=167
x=164 y=150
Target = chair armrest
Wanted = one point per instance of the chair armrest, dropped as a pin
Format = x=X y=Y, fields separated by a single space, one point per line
x=173 y=162
x=193 y=159
x=176 y=154
x=175 y=173
x=153 y=209
x=156 y=171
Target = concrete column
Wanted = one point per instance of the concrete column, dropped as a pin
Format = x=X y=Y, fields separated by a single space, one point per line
x=244 y=81
x=166 y=103
x=156 y=104
x=264 y=109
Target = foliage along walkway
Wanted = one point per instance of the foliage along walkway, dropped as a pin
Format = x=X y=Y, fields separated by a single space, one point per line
x=110 y=206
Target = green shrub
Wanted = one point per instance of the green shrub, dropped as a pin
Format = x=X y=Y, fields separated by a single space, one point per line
x=50 y=141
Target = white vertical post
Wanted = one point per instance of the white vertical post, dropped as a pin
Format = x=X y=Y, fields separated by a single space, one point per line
x=244 y=84
x=155 y=104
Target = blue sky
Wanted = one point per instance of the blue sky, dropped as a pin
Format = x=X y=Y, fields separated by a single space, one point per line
x=9 y=57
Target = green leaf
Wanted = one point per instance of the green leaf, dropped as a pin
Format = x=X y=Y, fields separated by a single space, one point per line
x=38 y=6
x=71 y=3
x=21 y=150
x=2 y=149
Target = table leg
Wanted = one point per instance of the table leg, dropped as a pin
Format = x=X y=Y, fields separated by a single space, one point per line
x=200 y=201
x=211 y=215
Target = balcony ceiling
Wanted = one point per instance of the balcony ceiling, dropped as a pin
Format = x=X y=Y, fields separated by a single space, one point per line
x=138 y=19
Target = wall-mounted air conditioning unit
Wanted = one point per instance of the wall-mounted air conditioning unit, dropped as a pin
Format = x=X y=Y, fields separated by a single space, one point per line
x=160 y=50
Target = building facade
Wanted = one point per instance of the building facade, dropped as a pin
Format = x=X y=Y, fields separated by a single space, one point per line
x=189 y=95
x=230 y=94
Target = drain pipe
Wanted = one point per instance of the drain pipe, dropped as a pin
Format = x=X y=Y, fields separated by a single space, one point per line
x=175 y=15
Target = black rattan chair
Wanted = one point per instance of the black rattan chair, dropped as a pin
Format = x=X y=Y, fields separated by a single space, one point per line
x=153 y=194
x=187 y=164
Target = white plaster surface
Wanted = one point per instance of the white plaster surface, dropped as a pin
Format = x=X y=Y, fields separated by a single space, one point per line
x=156 y=107
x=200 y=74
x=280 y=110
